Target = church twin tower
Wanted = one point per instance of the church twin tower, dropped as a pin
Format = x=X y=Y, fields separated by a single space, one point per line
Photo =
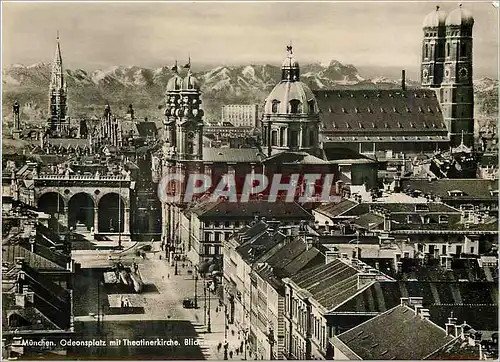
x=447 y=67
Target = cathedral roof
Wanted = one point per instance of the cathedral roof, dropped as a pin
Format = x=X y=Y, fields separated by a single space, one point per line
x=460 y=17
x=389 y=112
x=435 y=19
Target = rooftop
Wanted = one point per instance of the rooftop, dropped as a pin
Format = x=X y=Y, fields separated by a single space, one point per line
x=396 y=334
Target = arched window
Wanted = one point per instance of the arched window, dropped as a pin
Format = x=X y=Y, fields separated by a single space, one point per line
x=447 y=49
x=295 y=106
x=294 y=138
x=282 y=136
x=275 y=106
x=427 y=50
x=463 y=50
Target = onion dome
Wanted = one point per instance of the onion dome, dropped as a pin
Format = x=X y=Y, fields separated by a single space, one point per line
x=190 y=82
x=460 y=17
x=435 y=19
x=174 y=83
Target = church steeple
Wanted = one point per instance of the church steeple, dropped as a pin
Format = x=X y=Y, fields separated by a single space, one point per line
x=57 y=92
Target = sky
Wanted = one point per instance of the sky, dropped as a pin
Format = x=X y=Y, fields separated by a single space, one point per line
x=103 y=34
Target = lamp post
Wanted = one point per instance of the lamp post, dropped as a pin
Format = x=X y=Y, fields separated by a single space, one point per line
x=209 y=326
x=176 y=271
x=205 y=303
x=271 y=340
x=225 y=322
x=196 y=288
x=245 y=342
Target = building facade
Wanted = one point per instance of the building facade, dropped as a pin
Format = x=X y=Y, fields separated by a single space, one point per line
x=241 y=115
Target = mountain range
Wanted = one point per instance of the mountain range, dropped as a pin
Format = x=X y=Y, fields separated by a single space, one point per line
x=88 y=91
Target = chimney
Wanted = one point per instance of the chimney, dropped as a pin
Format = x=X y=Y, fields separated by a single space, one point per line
x=331 y=256
x=451 y=327
x=424 y=313
x=403 y=79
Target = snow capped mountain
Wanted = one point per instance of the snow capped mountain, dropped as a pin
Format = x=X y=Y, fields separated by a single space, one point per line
x=145 y=88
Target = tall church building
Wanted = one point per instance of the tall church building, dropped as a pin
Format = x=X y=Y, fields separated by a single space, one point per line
x=447 y=67
x=57 y=95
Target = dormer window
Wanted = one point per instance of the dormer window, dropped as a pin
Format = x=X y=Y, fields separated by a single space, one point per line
x=275 y=106
x=400 y=125
x=344 y=110
x=408 y=110
x=360 y=125
x=420 y=110
x=334 y=125
x=310 y=104
x=386 y=125
x=382 y=110
x=408 y=219
x=443 y=219
x=374 y=125
x=425 y=125
x=429 y=110
x=352 y=95
x=370 y=110
x=412 y=125
x=420 y=208
x=330 y=110
x=394 y=110
x=347 y=125
x=356 y=109
x=295 y=106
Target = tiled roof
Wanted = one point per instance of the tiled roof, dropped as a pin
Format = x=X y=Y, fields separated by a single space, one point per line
x=68 y=142
x=302 y=158
x=396 y=334
x=457 y=350
x=441 y=187
x=254 y=249
x=369 y=221
x=334 y=209
x=280 y=210
x=466 y=299
x=238 y=155
x=348 y=239
x=380 y=111
x=329 y=284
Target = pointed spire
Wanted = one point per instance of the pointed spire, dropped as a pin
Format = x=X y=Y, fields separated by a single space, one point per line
x=289 y=49
x=188 y=65
x=175 y=68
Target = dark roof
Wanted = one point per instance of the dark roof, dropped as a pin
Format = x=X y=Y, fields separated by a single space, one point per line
x=348 y=239
x=335 y=209
x=396 y=334
x=380 y=111
x=51 y=300
x=457 y=350
x=441 y=187
x=280 y=210
x=468 y=300
x=255 y=248
x=329 y=284
x=369 y=221
x=237 y=155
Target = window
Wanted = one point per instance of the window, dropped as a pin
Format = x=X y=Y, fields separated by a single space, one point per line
x=216 y=224
x=274 y=138
x=217 y=237
x=294 y=138
x=217 y=250
x=443 y=250
x=207 y=250
x=295 y=106
x=472 y=250
x=282 y=137
x=443 y=219
x=236 y=224
x=408 y=219
x=463 y=50
x=311 y=138
x=427 y=50
x=275 y=106
x=447 y=49
x=311 y=106
x=207 y=236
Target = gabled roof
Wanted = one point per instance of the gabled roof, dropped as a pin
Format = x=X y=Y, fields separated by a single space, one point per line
x=396 y=334
x=415 y=111
x=335 y=209
x=329 y=284
x=34 y=260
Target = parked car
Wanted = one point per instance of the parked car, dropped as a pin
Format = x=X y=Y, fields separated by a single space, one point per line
x=188 y=303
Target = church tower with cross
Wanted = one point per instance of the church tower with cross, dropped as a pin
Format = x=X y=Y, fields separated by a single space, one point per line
x=447 y=67
x=58 y=95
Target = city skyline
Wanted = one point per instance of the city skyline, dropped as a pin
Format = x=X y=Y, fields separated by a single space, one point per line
x=155 y=34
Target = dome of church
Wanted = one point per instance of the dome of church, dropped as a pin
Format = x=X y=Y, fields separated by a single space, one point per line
x=291 y=98
x=190 y=82
x=460 y=17
x=435 y=19
x=174 y=83
x=290 y=62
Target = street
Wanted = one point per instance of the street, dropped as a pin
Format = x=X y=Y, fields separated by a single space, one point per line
x=155 y=313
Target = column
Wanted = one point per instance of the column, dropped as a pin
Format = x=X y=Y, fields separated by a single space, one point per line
x=96 y=220
x=63 y=218
x=126 y=221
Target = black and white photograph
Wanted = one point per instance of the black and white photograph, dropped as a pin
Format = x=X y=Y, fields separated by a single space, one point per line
x=250 y=180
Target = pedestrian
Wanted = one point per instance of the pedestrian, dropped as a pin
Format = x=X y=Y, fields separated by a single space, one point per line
x=160 y=256
x=183 y=265
x=230 y=354
x=237 y=351
x=217 y=309
x=168 y=276
x=219 y=346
